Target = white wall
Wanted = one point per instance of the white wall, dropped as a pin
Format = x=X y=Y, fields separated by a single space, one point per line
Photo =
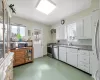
x=30 y=25
x=73 y=18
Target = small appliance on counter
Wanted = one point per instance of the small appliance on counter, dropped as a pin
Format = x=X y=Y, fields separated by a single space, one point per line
x=14 y=45
x=20 y=45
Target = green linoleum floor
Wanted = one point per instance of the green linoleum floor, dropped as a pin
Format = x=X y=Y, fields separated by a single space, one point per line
x=48 y=69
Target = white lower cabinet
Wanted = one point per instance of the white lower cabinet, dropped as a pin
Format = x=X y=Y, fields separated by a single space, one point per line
x=72 y=56
x=62 y=54
x=72 y=59
x=78 y=58
x=84 y=60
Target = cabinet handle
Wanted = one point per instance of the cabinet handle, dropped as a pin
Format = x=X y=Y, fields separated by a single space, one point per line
x=96 y=74
x=84 y=59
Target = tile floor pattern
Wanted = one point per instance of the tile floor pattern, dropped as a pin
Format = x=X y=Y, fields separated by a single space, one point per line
x=48 y=69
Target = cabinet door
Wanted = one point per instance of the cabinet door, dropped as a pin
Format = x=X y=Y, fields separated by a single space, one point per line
x=87 y=27
x=61 y=29
x=62 y=54
x=57 y=33
x=79 y=29
x=72 y=59
x=63 y=32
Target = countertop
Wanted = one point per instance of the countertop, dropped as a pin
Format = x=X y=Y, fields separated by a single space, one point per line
x=80 y=47
x=22 y=48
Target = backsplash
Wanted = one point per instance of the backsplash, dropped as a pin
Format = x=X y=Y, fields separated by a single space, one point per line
x=83 y=42
x=62 y=41
x=78 y=42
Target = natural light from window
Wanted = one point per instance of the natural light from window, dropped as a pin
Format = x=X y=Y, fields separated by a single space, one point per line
x=18 y=30
x=71 y=32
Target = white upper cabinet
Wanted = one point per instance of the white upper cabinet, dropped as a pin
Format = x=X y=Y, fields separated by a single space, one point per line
x=57 y=33
x=79 y=29
x=83 y=28
x=87 y=27
x=61 y=32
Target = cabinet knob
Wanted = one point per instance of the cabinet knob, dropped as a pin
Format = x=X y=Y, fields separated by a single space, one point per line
x=84 y=59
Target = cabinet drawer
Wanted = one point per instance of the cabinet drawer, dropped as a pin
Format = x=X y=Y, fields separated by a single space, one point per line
x=19 y=61
x=81 y=67
x=84 y=58
x=63 y=49
x=19 y=56
x=87 y=69
x=20 y=51
x=71 y=50
x=83 y=52
x=84 y=66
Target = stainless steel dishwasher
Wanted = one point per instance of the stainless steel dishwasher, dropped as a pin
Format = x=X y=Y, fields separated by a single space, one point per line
x=55 y=52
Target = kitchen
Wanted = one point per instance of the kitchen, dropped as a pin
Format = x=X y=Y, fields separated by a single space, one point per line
x=61 y=44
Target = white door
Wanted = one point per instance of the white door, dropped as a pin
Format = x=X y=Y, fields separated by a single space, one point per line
x=38 y=43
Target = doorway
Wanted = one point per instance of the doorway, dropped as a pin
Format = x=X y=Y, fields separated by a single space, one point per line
x=38 y=43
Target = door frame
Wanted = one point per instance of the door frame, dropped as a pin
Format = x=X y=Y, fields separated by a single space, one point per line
x=41 y=37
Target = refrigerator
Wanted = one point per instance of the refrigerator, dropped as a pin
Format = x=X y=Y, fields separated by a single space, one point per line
x=96 y=44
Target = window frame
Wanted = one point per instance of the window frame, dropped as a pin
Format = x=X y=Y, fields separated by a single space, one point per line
x=69 y=25
x=18 y=25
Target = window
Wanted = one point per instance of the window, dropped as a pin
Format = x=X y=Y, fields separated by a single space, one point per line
x=37 y=36
x=14 y=31
x=71 y=31
x=18 y=30
x=22 y=31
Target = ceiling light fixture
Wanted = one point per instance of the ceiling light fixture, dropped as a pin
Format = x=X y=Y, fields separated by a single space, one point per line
x=46 y=6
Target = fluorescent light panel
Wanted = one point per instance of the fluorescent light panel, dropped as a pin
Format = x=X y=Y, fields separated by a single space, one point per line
x=45 y=6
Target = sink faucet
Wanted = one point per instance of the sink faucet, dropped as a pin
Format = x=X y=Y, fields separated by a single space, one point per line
x=70 y=44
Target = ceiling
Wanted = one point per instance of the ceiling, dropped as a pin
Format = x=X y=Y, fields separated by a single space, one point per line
x=27 y=9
